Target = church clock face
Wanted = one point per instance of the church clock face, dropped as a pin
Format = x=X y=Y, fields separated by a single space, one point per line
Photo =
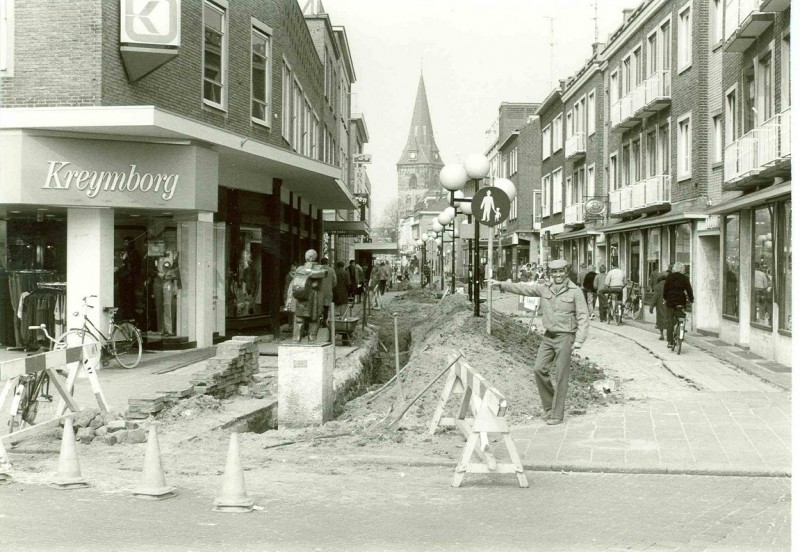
x=436 y=156
x=412 y=155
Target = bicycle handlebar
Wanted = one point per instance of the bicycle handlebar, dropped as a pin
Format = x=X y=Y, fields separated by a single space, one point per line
x=43 y=328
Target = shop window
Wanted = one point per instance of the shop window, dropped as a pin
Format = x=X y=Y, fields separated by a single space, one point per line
x=244 y=281
x=730 y=281
x=683 y=242
x=763 y=261
x=653 y=266
x=786 y=266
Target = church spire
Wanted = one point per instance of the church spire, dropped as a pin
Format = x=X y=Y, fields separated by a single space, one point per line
x=421 y=146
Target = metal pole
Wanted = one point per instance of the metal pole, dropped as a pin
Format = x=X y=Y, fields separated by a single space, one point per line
x=453 y=262
x=476 y=272
x=441 y=264
x=489 y=274
x=470 y=277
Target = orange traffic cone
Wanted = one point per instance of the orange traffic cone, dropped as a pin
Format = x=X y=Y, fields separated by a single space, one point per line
x=69 y=470
x=154 y=486
x=234 y=495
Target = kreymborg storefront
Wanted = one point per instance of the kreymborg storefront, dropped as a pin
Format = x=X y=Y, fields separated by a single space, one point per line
x=70 y=204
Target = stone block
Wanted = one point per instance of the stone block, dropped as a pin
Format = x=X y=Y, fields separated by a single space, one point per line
x=109 y=439
x=305 y=384
x=85 y=435
x=85 y=417
x=115 y=425
x=100 y=431
x=132 y=436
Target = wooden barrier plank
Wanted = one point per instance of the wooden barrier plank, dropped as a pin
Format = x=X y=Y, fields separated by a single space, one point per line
x=488 y=407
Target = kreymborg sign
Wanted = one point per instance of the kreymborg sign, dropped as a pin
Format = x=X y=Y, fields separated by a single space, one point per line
x=107 y=173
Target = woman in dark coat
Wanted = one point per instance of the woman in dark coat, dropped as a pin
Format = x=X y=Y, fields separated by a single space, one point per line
x=340 y=290
x=660 y=306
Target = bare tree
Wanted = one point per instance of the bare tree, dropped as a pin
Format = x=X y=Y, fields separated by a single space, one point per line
x=389 y=221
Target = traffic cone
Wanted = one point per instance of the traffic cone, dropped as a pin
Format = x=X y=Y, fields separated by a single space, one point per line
x=234 y=495
x=69 y=470
x=154 y=486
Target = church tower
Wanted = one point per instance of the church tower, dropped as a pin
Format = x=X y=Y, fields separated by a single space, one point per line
x=420 y=163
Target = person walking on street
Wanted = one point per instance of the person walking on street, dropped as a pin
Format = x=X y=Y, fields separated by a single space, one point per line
x=588 y=289
x=677 y=291
x=659 y=305
x=599 y=284
x=566 y=323
x=340 y=288
x=383 y=277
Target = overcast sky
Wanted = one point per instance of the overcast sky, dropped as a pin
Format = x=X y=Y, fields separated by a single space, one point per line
x=474 y=55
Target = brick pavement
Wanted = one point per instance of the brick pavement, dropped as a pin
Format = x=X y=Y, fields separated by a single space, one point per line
x=732 y=423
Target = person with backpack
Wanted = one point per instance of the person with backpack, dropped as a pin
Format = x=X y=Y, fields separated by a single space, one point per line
x=588 y=289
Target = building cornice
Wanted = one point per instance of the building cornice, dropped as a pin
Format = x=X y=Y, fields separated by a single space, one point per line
x=637 y=19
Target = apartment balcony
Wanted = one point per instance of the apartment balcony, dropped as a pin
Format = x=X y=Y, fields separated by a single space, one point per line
x=774 y=5
x=650 y=194
x=760 y=155
x=573 y=215
x=650 y=96
x=655 y=93
x=744 y=23
x=575 y=146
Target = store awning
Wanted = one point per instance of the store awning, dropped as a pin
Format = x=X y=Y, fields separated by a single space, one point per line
x=346 y=227
x=387 y=248
x=748 y=200
x=240 y=158
x=649 y=222
x=582 y=233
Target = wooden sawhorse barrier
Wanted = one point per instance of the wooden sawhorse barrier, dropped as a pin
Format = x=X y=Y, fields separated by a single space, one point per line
x=77 y=358
x=487 y=407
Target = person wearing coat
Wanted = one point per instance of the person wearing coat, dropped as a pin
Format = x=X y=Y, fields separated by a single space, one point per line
x=326 y=289
x=340 y=289
x=660 y=306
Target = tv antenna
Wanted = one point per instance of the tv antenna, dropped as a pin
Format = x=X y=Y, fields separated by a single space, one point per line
x=552 y=49
x=596 y=27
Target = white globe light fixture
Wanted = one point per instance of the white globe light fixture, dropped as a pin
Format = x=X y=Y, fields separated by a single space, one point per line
x=424 y=237
x=507 y=186
x=419 y=243
x=447 y=216
x=453 y=176
x=436 y=227
x=476 y=166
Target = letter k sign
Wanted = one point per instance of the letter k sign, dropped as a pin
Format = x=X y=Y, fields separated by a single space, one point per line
x=154 y=22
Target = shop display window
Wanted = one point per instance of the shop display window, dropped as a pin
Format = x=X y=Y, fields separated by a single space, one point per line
x=763 y=263
x=683 y=246
x=244 y=295
x=653 y=265
x=786 y=266
x=730 y=280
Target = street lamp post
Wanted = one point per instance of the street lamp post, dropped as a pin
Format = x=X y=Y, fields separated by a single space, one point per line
x=476 y=167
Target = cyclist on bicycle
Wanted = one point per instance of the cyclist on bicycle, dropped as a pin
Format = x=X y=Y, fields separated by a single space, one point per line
x=615 y=282
x=677 y=292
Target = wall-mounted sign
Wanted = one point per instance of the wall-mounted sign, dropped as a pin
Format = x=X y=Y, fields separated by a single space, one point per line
x=594 y=208
x=362 y=158
x=105 y=173
x=149 y=34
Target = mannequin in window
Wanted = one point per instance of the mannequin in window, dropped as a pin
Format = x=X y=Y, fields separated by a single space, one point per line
x=128 y=278
x=170 y=279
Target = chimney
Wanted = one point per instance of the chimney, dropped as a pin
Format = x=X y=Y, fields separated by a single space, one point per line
x=597 y=48
x=562 y=83
x=626 y=15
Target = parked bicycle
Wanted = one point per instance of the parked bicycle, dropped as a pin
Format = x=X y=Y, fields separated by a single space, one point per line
x=124 y=342
x=633 y=304
x=680 y=329
x=31 y=390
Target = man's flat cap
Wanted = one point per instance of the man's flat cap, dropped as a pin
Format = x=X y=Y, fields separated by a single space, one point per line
x=558 y=263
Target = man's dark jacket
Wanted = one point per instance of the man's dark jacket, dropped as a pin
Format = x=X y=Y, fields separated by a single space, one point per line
x=676 y=289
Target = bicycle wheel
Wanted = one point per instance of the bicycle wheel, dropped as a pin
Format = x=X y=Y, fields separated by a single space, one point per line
x=679 y=337
x=126 y=344
x=618 y=314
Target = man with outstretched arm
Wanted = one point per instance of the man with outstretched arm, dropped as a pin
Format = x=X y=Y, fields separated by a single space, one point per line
x=566 y=322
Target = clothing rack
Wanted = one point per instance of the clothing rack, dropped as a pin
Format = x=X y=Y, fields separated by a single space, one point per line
x=21 y=284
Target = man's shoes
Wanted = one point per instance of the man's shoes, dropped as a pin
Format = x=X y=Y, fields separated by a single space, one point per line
x=553 y=421
x=546 y=414
x=591 y=316
x=661 y=338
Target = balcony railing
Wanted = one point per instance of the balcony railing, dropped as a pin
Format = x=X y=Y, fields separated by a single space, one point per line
x=576 y=145
x=651 y=192
x=759 y=149
x=744 y=22
x=786 y=133
x=573 y=214
x=650 y=96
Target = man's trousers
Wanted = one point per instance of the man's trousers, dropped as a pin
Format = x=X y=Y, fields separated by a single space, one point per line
x=558 y=351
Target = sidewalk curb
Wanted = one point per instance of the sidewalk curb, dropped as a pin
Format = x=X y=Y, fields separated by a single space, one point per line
x=583 y=468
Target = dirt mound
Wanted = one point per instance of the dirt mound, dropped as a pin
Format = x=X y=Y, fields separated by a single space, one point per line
x=437 y=329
